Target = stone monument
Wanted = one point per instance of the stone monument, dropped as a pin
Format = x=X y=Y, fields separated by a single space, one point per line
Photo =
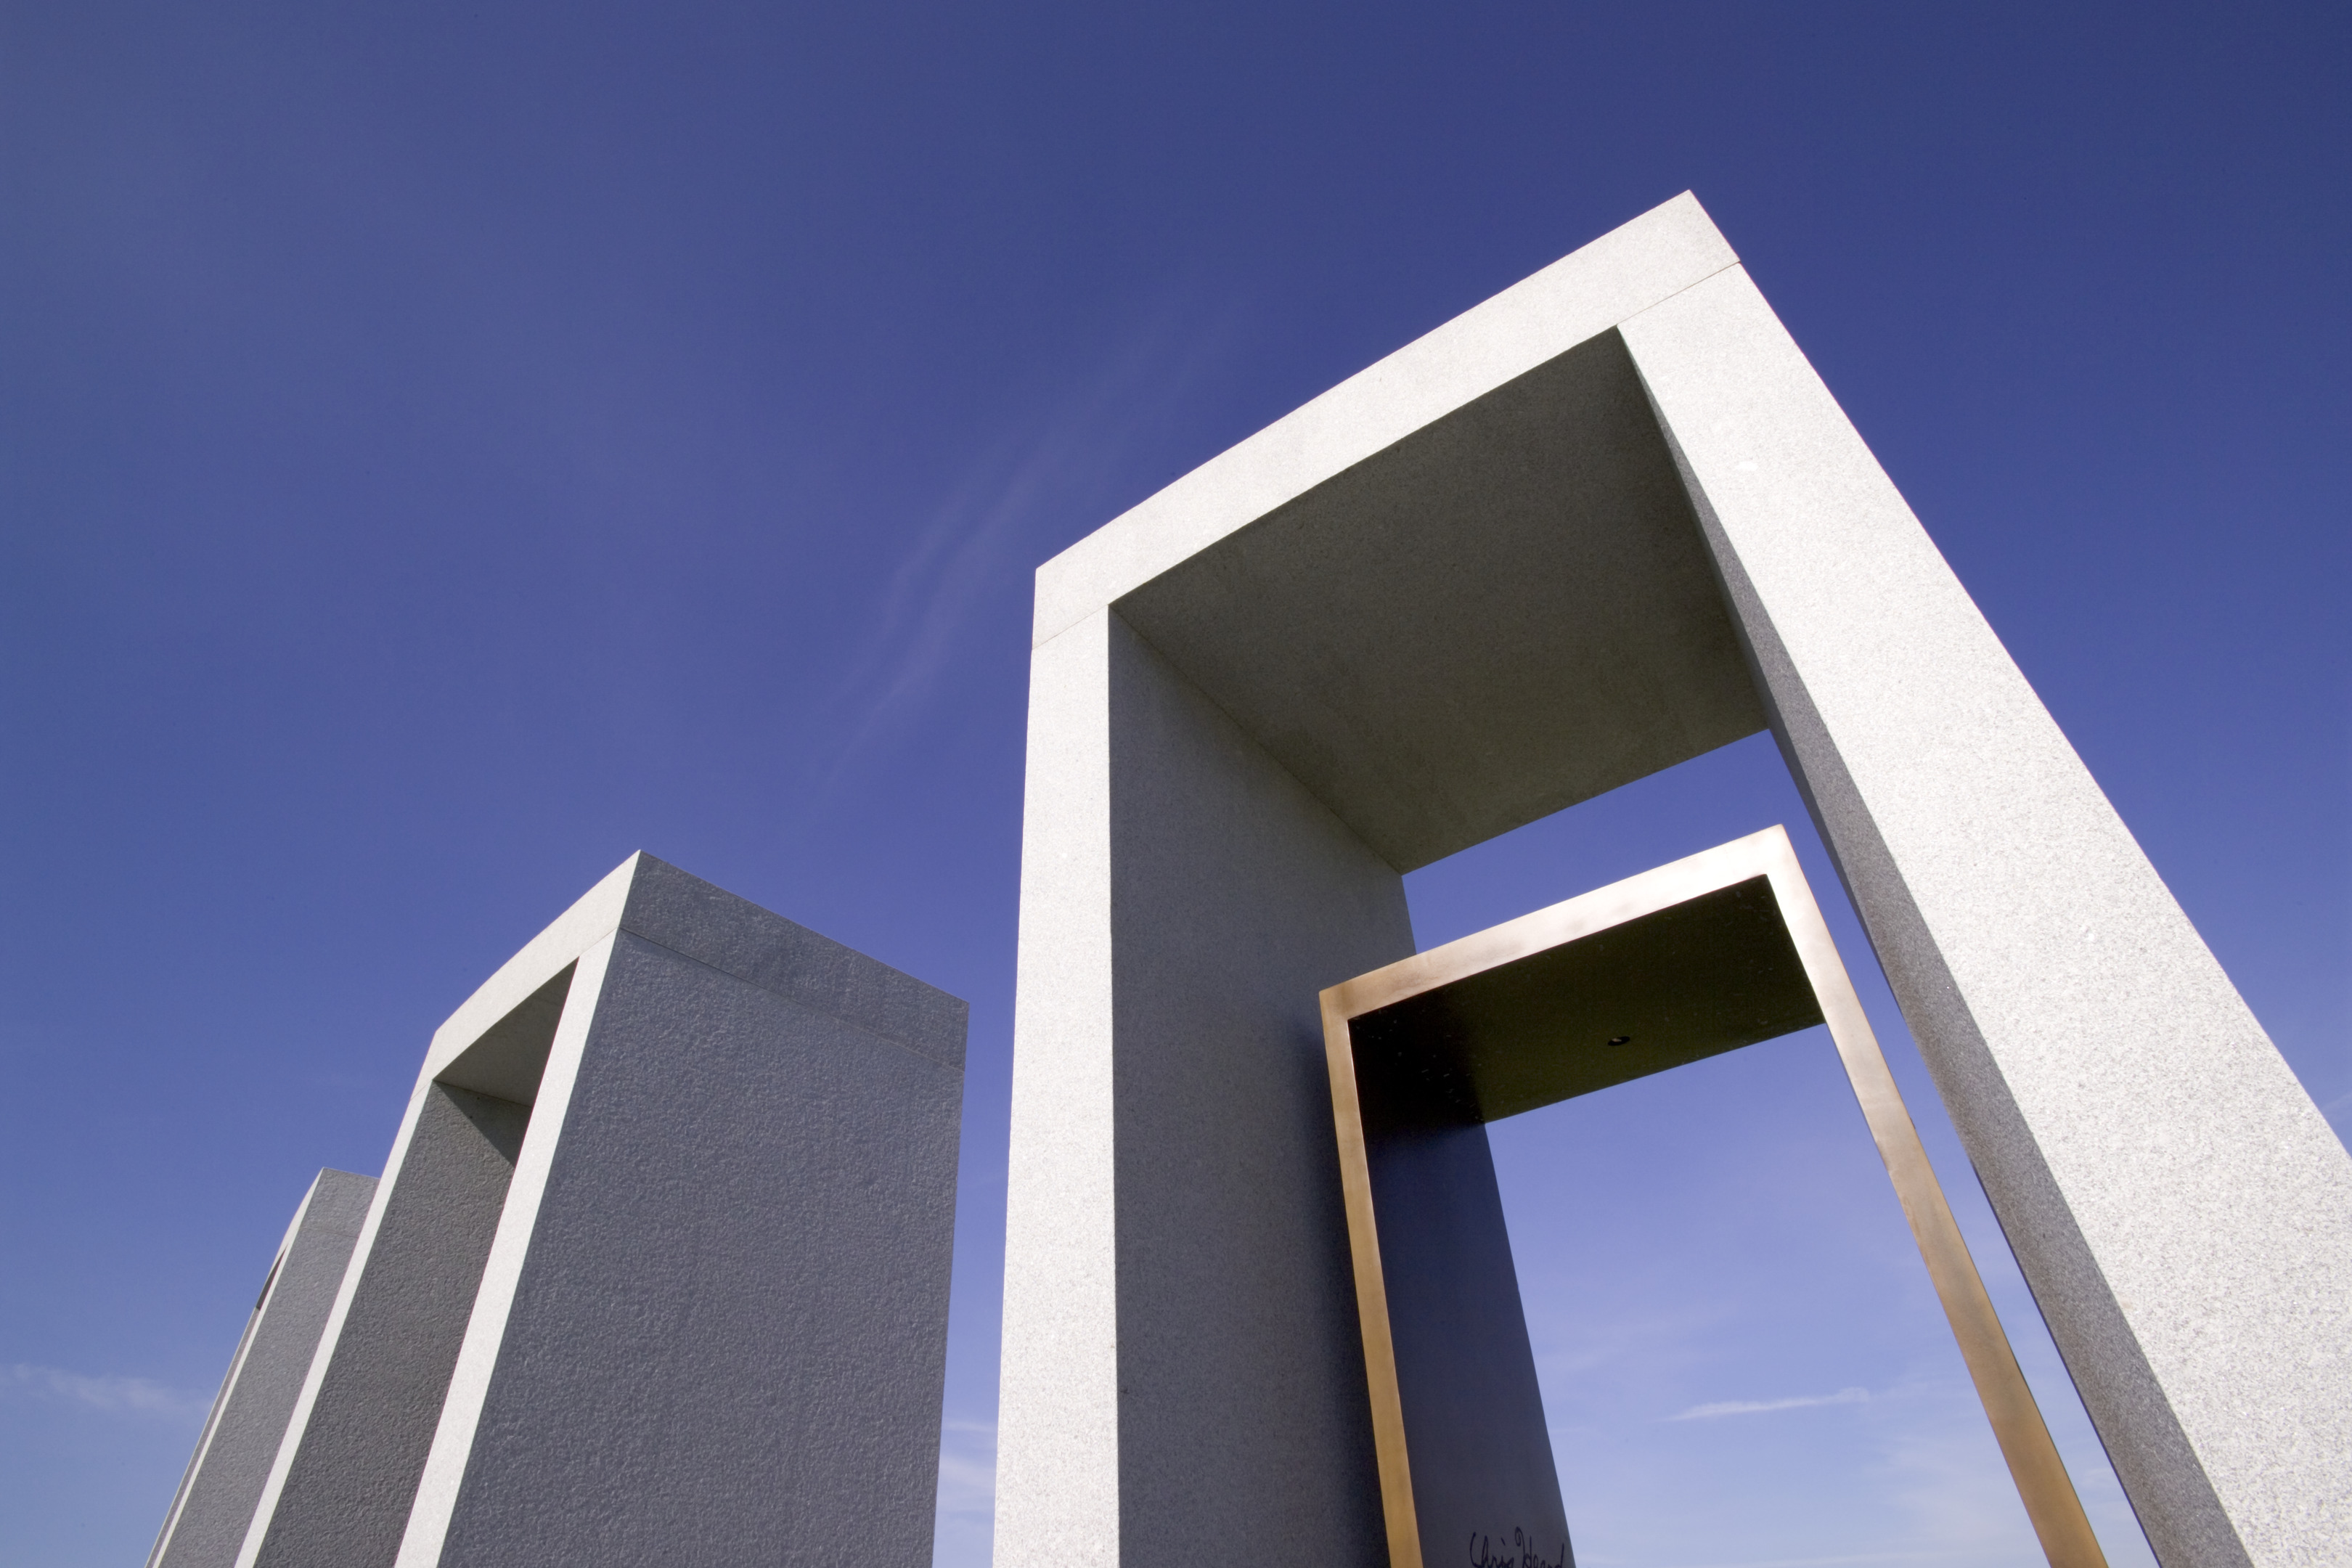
x=1599 y=524
x=657 y=1271
x=209 y=1518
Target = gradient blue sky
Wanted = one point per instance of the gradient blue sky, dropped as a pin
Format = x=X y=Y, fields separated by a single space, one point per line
x=444 y=447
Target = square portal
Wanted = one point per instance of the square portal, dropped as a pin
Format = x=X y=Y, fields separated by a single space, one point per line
x=1720 y=950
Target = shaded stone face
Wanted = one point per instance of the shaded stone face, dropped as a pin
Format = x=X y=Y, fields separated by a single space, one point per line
x=1534 y=547
x=1704 y=976
x=384 y=1368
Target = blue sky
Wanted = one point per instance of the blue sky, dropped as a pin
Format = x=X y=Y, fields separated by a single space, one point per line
x=443 y=448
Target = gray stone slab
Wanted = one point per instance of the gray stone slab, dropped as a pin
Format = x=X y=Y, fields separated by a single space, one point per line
x=1456 y=592
x=660 y=1269
x=352 y=1473
x=1211 y=1283
x=1235 y=888
x=726 y=1342
x=215 y=1503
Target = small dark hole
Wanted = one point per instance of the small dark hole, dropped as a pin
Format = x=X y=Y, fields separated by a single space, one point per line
x=1620 y=1039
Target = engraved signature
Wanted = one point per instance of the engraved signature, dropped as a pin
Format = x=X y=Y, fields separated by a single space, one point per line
x=1521 y=1553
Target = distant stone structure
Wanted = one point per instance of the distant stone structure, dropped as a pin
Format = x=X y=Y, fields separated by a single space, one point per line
x=658 y=1271
x=1605 y=522
x=239 y=1443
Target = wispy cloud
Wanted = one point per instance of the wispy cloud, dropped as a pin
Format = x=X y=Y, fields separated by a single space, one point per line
x=984 y=537
x=966 y=1467
x=1651 y=1342
x=1946 y=1472
x=116 y=1395
x=1759 y=1406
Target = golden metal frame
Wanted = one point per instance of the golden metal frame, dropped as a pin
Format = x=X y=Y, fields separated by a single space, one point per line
x=2041 y=1477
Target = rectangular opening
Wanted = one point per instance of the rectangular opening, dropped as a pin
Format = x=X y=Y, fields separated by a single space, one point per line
x=1739 y=1356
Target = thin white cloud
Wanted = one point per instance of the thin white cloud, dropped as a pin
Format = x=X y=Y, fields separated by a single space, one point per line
x=982 y=540
x=1945 y=1471
x=966 y=1467
x=116 y=1395
x=1757 y=1406
x=1570 y=1343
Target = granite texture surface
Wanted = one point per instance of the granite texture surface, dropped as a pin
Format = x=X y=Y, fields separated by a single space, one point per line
x=2181 y=1210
